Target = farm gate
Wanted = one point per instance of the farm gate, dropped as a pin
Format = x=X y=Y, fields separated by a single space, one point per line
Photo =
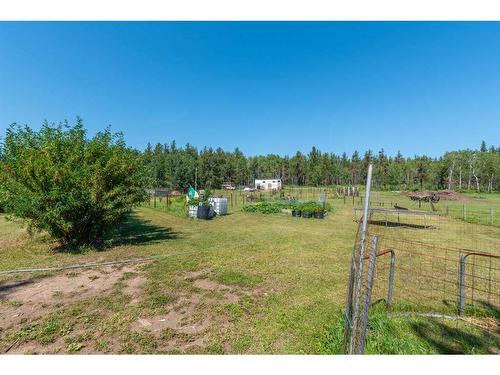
x=423 y=264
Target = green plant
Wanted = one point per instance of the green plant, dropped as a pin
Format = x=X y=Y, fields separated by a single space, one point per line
x=194 y=202
x=205 y=202
x=74 y=347
x=59 y=181
x=311 y=207
x=327 y=207
x=271 y=207
x=199 y=202
x=265 y=207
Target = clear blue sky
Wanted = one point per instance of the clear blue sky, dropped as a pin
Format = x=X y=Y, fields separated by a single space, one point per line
x=263 y=87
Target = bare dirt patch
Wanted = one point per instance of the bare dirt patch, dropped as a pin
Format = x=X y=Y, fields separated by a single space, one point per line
x=207 y=284
x=199 y=312
x=35 y=348
x=28 y=299
x=134 y=286
x=195 y=313
x=195 y=274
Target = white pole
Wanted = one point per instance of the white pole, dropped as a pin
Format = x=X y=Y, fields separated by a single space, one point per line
x=367 y=202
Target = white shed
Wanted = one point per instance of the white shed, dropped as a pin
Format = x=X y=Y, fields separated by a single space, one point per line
x=268 y=184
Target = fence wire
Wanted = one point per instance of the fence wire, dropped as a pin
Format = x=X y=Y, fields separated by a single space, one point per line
x=432 y=264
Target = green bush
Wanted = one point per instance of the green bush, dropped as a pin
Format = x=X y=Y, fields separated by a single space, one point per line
x=59 y=181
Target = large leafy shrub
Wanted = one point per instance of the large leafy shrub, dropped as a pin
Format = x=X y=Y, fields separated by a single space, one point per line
x=75 y=188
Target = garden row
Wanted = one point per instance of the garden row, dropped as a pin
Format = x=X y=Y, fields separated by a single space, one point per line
x=297 y=209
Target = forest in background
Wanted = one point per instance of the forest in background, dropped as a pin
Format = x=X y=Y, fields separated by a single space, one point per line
x=172 y=167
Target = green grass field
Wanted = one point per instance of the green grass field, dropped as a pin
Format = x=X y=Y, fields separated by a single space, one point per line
x=242 y=283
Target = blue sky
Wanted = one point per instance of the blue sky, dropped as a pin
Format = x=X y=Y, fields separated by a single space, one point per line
x=418 y=87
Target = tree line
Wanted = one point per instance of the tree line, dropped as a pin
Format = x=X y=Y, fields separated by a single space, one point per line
x=77 y=188
x=173 y=167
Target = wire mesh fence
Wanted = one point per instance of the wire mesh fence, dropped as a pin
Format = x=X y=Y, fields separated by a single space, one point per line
x=465 y=207
x=431 y=265
x=359 y=295
x=479 y=211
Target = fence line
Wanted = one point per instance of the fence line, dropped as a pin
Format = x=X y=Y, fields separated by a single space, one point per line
x=438 y=267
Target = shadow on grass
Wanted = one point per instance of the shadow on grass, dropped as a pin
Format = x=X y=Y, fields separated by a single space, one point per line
x=482 y=309
x=131 y=231
x=135 y=231
x=457 y=337
x=393 y=224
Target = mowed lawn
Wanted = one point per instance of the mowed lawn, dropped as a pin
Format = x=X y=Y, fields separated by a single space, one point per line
x=278 y=282
x=242 y=283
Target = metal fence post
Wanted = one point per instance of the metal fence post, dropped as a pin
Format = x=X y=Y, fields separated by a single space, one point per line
x=368 y=295
x=462 y=285
x=348 y=310
x=359 y=259
x=391 y=279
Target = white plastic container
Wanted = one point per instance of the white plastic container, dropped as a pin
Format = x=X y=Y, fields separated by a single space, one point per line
x=192 y=211
x=219 y=205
